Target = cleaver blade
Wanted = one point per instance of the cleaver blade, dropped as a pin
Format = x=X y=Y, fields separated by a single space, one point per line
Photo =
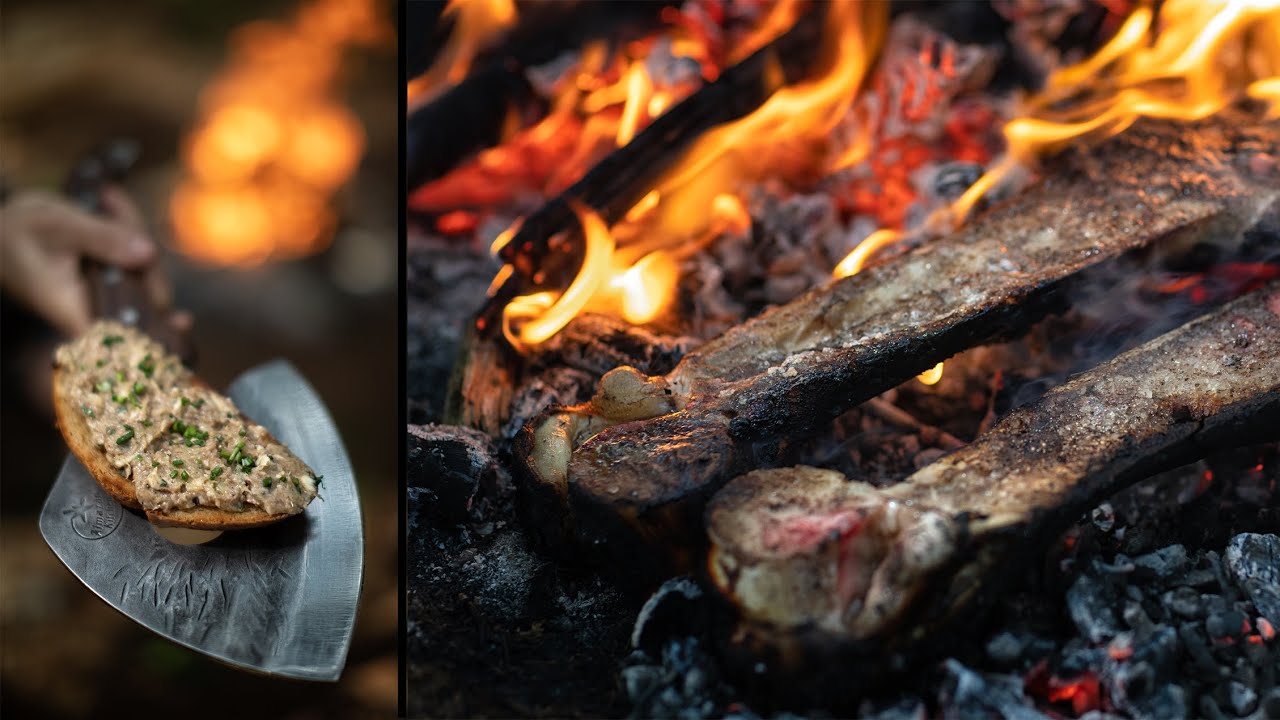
x=278 y=600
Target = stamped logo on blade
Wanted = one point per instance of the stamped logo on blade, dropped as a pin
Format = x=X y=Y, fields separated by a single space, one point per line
x=94 y=518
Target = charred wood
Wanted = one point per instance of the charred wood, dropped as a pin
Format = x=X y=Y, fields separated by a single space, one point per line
x=829 y=573
x=498 y=391
x=634 y=468
x=620 y=180
x=469 y=116
x=449 y=468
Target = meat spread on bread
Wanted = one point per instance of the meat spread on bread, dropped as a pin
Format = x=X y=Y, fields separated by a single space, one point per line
x=160 y=440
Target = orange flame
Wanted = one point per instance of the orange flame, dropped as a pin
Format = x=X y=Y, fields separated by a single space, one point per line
x=931 y=376
x=638 y=291
x=272 y=144
x=1189 y=62
x=478 y=24
x=699 y=197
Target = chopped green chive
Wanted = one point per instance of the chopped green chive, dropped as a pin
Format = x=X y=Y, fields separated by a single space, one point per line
x=173 y=473
x=119 y=376
x=266 y=482
x=178 y=463
x=100 y=363
x=216 y=472
x=243 y=432
x=126 y=437
x=185 y=476
x=147 y=423
x=112 y=340
x=147 y=366
x=104 y=386
x=139 y=388
x=87 y=410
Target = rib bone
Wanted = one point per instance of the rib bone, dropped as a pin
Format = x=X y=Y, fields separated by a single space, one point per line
x=631 y=471
x=803 y=547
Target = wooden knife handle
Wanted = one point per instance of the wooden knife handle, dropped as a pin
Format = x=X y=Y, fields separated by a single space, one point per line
x=114 y=292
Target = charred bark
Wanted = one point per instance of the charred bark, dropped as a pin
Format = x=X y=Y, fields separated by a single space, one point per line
x=615 y=184
x=829 y=573
x=635 y=467
x=469 y=116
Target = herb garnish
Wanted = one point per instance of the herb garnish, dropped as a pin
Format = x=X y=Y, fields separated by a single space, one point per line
x=126 y=437
x=110 y=340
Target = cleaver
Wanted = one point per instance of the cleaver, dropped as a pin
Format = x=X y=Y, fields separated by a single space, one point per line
x=278 y=600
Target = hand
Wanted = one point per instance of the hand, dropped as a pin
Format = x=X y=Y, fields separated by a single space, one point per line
x=42 y=240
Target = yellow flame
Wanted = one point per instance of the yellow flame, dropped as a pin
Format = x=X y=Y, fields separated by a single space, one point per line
x=730 y=214
x=639 y=292
x=478 y=23
x=698 y=198
x=541 y=323
x=807 y=109
x=638 y=91
x=1188 y=62
x=646 y=288
x=505 y=236
x=931 y=376
x=644 y=207
x=782 y=16
x=853 y=263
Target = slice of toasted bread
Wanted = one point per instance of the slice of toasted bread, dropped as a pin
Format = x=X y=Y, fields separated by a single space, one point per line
x=69 y=390
x=75 y=430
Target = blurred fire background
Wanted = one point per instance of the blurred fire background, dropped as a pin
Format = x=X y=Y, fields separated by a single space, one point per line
x=268 y=172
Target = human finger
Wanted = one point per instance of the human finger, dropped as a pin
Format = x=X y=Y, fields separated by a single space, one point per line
x=62 y=225
x=119 y=206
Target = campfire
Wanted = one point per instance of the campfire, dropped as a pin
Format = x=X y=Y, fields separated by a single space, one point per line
x=274 y=142
x=903 y=368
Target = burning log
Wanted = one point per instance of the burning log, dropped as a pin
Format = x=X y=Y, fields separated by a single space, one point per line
x=630 y=472
x=622 y=178
x=470 y=115
x=815 y=561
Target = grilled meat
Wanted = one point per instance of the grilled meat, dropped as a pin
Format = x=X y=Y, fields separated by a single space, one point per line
x=811 y=558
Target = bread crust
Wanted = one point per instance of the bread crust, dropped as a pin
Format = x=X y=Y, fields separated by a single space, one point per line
x=75 y=430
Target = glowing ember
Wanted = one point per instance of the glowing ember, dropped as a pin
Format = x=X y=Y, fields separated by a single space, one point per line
x=1082 y=693
x=868 y=134
x=596 y=106
x=273 y=144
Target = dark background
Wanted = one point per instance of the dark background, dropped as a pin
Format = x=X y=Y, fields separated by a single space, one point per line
x=71 y=75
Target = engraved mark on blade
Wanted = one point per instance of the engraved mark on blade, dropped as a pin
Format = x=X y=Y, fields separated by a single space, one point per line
x=192 y=598
x=94 y=518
